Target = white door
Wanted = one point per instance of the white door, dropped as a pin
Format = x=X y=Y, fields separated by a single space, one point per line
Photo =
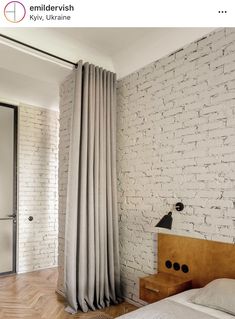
x=7 y=189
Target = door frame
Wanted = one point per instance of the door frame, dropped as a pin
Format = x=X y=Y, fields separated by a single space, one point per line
x=15 y=187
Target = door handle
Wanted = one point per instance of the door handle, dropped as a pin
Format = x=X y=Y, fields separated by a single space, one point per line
x=8 y=217
x=13 y=215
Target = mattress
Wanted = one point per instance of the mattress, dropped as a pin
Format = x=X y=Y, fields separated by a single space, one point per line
x=177 y=307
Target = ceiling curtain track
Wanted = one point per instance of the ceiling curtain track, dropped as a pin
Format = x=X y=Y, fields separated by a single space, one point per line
x=38 y=50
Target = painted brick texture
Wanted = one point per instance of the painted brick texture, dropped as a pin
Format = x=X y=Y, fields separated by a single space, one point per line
x=66 y=103
x=176 y=142
x=37 y=188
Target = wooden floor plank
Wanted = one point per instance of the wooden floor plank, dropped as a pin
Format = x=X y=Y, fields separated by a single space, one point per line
x=32 y=296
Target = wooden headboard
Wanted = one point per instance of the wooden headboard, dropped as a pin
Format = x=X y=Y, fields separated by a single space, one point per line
x=206 y=260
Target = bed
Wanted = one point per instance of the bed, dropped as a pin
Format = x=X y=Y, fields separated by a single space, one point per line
x=177 y=307
x=206 y=262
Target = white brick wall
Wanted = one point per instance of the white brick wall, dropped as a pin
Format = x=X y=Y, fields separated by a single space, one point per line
x=176 y=142
x=37 y=188
x=66 y=102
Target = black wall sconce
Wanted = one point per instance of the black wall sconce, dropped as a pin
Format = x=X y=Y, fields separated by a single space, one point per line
x=166 y=221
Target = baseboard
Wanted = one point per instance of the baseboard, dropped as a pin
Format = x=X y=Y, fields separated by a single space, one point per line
x=135 y=303
x=39 y=269
x=60 y=292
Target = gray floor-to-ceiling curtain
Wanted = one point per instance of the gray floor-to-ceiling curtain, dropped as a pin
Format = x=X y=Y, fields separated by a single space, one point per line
x=92 y=273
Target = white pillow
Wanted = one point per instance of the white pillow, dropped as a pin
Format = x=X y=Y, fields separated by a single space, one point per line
x=218 y=294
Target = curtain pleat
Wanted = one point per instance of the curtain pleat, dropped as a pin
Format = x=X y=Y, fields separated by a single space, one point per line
x=96 y=189
x=71 y=228
x=92 y=272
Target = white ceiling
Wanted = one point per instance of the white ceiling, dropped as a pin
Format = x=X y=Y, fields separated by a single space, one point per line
x=106 y=40
x=122 y=50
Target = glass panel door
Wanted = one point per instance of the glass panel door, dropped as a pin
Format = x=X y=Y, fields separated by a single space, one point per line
x=7 y=190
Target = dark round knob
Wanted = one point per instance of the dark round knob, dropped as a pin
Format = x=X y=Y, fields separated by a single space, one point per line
x=30 y=218
x=184 y=268
x=179 y=206
x=176 y=266
x=168 y=264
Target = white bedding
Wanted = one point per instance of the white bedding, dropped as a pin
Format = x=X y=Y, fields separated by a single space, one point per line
x=177 y=307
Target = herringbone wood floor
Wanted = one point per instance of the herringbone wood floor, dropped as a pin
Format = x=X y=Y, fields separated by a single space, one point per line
x=32 y=296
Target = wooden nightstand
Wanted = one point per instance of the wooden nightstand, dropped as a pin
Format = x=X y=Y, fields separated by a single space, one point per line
x=162 y=285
